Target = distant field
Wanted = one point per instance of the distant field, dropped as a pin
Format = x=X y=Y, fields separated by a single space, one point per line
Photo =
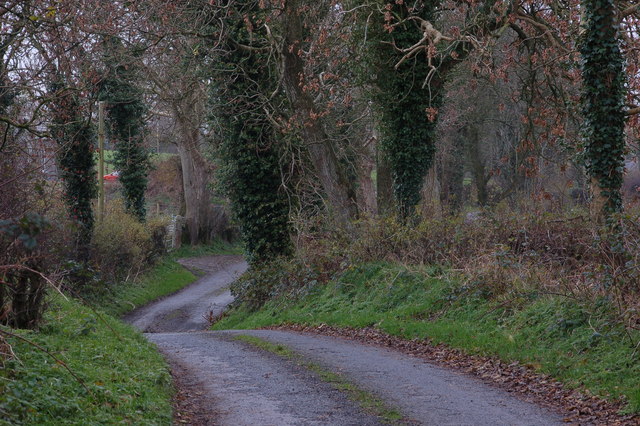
x=156 y=158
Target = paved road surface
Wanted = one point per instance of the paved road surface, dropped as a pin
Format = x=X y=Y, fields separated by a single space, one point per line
x=248 y=386
x=188 y=309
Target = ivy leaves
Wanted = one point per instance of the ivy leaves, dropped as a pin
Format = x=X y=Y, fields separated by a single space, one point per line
x=408 y=137
x=603 y=101
x=75 y=136
x=25 y=229
x=251 y=148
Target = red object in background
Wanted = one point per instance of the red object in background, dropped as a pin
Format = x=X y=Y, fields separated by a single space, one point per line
x=112 y=176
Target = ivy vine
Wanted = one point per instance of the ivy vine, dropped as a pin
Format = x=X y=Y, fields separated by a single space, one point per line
x=603 y=96
x=74 y=135
x=407 y=133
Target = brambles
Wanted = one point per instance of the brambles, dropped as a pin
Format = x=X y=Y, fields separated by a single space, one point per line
x=22 y=283
x=503 y=254
x=270 y=280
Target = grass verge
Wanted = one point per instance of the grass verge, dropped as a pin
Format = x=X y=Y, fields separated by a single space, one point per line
x=367 y=401
x=124 y=379
x=573 y=342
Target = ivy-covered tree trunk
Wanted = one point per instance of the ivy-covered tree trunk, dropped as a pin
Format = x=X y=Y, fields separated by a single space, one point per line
x=407 y=130
x=410 y=73
x=603 y=107
x=254 y=189
x=76 y=163
x=250 y=151
x=126 y=116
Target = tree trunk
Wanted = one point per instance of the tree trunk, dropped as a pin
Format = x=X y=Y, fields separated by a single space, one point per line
x=384 y=184
x=337 y=187
x=452 y=176
x=366 y=190
x=195 y=179
x=598 y=204
x=603 y=99
x=477 y=165
x=431 y=206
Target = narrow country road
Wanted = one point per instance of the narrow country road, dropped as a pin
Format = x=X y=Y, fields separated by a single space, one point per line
x=243 y=385
x=188 y=309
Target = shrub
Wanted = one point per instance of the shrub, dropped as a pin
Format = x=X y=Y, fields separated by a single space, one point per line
x=22 y=285
x=122 y=246
x=28 y=255
x=506 y=256
x=270 y=280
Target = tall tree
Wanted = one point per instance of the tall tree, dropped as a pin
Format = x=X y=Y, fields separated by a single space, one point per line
x=411 y=61
x=177 y=76
x=126 y=117
x=339 y=189
x=406 y=99
x=74 y=136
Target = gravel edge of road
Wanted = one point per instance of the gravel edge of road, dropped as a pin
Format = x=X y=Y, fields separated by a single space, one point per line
x=189 y=401
x=529 y=386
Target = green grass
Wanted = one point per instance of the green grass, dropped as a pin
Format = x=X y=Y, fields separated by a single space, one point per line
x=126 y=379
x=367 y=401
x=108 y=160
x=165 y=278
x=217 y=247
x=575 y=343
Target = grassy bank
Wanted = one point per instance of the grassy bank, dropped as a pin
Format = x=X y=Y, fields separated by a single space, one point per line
x=122 y=378
x=574 y=342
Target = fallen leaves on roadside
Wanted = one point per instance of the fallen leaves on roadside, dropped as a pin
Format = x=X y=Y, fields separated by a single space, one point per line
x=190 y=403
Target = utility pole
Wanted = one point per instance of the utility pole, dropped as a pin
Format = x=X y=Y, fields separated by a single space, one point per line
x=100 y=160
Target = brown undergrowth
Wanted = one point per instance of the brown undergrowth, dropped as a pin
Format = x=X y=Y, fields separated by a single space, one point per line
x=504 y=253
